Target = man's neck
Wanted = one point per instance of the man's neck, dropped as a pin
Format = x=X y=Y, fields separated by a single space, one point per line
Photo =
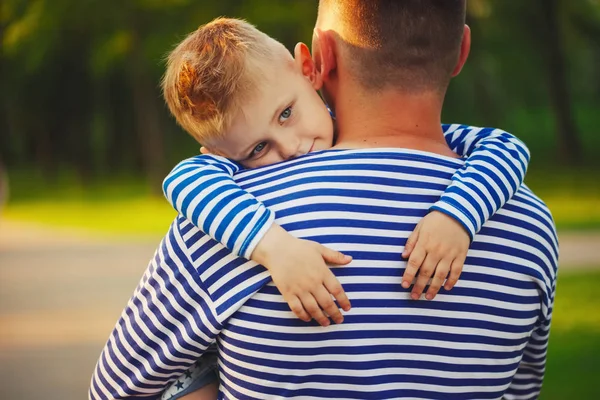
x=390 y=119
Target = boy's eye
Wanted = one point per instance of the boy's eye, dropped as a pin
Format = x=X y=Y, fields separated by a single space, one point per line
x=285 y=115
x=258 y=149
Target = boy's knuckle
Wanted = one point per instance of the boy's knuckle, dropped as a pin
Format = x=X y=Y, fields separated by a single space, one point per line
x=313 y=309
x=441 y=273
x=337 y=290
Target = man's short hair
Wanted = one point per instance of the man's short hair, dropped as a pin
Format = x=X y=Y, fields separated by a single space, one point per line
x=211 y=72
x=413 y=44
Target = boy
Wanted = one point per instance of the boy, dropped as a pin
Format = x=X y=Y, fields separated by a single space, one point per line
x=242 y=95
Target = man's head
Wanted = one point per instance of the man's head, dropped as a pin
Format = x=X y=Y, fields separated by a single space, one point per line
x=411 y=45
x=242 y=95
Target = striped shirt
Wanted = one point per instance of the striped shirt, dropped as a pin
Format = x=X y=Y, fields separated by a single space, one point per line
x=203 y=190
x=485 y=339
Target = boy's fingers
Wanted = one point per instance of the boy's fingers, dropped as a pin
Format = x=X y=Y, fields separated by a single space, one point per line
x=311 y=306
x=425 y=273
x=326 y=302
x=455 y=270
x=412 y=266
x=441 y=272
x=337 y=291
x=296 y=307
x=334 y=257
x=411 y=242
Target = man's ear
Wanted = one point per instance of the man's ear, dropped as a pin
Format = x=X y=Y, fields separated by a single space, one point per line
x=324 y=53
x=465 y=48
x=306 y=64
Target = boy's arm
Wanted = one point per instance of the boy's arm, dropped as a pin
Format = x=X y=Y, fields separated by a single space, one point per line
x=202 y=189
x=493 y=171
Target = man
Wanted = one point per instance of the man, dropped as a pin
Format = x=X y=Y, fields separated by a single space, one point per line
x=385 y=67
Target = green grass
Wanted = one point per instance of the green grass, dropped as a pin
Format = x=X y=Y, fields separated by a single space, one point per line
x=573 y=196
x=141 y=216
x=119 y=209
x=125 y=206
x=574 y=352
x=144 y=214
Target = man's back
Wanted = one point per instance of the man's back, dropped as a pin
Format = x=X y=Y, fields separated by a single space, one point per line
x=467 y=343
x=490 y=331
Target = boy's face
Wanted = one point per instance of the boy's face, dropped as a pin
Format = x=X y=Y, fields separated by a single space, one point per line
x=285 y=119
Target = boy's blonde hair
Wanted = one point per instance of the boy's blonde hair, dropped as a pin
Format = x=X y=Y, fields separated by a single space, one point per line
x=211 y=72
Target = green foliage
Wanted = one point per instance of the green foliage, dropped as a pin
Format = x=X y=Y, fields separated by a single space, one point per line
x=79 y=77
x=575 y=339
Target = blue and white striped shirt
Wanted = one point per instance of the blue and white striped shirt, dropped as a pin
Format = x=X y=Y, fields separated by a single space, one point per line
x=485 y=339
x=203 y=190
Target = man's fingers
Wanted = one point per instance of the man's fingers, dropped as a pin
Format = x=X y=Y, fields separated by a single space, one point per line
x=455 y=271
x=441 y=272
x=311 y=306
x=298 y=309
x=334 y=257
x=412 y=266
x=337 y=291
x=411 y=242
x=327 y=304
x=425 y=273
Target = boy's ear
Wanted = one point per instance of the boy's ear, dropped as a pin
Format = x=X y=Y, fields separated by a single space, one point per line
x=205 y=150
x=306 y=64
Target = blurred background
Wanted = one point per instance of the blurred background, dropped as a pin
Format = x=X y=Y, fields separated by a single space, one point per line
x=85 y=141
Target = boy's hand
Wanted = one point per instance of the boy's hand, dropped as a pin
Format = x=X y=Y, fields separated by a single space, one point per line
x=300 y=272
x=438 y=244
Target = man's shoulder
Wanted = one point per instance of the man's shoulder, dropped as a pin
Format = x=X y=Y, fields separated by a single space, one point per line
x=523 y=232
x=229 y=280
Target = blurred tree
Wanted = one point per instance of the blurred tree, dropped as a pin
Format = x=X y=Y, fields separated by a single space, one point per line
x=79 y=81
x=551 y=43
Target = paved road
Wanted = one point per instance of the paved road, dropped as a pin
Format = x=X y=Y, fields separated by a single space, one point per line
x=61 y=293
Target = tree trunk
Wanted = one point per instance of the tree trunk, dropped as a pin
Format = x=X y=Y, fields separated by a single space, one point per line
x=148 y=121
x=568 y=136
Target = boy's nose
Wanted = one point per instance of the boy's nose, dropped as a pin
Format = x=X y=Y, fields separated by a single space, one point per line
x=289 y=148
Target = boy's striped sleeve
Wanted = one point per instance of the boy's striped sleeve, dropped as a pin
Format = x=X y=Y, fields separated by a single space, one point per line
x=493 y=171
x=202 y=189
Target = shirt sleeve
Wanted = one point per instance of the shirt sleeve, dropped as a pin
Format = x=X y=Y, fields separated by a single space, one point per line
x=493 y=171
x=167 y=325
x=202 y=189
x=527 y=382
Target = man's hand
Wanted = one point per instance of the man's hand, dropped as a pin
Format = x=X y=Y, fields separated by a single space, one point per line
x=437 y=249
x=300 y=272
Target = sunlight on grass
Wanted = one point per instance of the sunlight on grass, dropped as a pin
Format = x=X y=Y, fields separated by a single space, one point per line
x=142 y=216
x=123 y=205
x=570 y=212
x=573 y=196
